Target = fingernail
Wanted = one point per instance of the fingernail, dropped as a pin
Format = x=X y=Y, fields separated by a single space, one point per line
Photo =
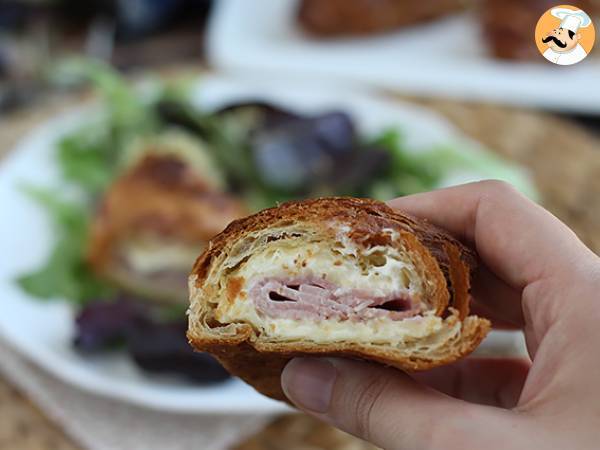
x=308 y=382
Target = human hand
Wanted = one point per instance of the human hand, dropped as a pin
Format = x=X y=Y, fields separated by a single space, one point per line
x=536 y=275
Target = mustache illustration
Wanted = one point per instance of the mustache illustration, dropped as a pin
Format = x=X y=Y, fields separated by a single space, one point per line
x=556 y=41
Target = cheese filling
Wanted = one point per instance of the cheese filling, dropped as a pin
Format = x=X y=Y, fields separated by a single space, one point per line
x=147 y=256
x=334 y=293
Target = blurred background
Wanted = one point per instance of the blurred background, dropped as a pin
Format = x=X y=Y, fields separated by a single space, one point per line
x=466 y=71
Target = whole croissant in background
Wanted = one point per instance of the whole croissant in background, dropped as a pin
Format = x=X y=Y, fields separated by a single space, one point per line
x=329 y=18
x=508 y=25
x=332 y=276
x=152 y=223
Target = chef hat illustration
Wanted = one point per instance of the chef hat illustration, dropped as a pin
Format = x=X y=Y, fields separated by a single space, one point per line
x=572 y=19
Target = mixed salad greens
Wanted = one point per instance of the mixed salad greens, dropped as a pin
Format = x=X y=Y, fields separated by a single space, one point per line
x=259 y=152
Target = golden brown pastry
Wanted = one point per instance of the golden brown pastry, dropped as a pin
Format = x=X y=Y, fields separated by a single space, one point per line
x=364 y=17
x=333 y=276
x=508 y=25
x=152 y=223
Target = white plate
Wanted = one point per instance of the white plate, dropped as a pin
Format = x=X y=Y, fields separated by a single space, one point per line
x=42 y=331
x=446 y=57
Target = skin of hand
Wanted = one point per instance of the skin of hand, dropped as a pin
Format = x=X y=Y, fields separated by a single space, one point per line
x=536 y=275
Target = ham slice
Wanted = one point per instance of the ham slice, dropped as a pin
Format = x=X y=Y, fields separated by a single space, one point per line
x=317 y=299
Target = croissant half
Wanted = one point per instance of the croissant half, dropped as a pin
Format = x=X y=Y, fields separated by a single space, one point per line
x=332 y=276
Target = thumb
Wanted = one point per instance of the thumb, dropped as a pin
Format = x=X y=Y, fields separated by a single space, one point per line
x=389 y=409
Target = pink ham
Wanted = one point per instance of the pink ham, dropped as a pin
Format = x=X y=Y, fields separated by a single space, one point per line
x=314 y=298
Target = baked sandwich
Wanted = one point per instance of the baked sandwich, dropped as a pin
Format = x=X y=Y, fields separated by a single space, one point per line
x=152 y=223
x=334 y=18
x=333 y=276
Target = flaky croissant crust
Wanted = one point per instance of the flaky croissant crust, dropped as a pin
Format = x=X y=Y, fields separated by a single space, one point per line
x=259 y=361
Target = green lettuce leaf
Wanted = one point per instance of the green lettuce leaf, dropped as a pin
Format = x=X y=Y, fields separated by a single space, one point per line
x=412 y=172
x=65 y=274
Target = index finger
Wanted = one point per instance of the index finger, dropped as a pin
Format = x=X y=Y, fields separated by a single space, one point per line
x=518 y=240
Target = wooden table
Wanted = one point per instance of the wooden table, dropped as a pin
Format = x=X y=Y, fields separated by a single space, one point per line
x=563 y=158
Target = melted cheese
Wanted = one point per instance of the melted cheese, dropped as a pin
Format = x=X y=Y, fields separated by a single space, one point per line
x=380 y=269
x=152 y=255
x=374 y=331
